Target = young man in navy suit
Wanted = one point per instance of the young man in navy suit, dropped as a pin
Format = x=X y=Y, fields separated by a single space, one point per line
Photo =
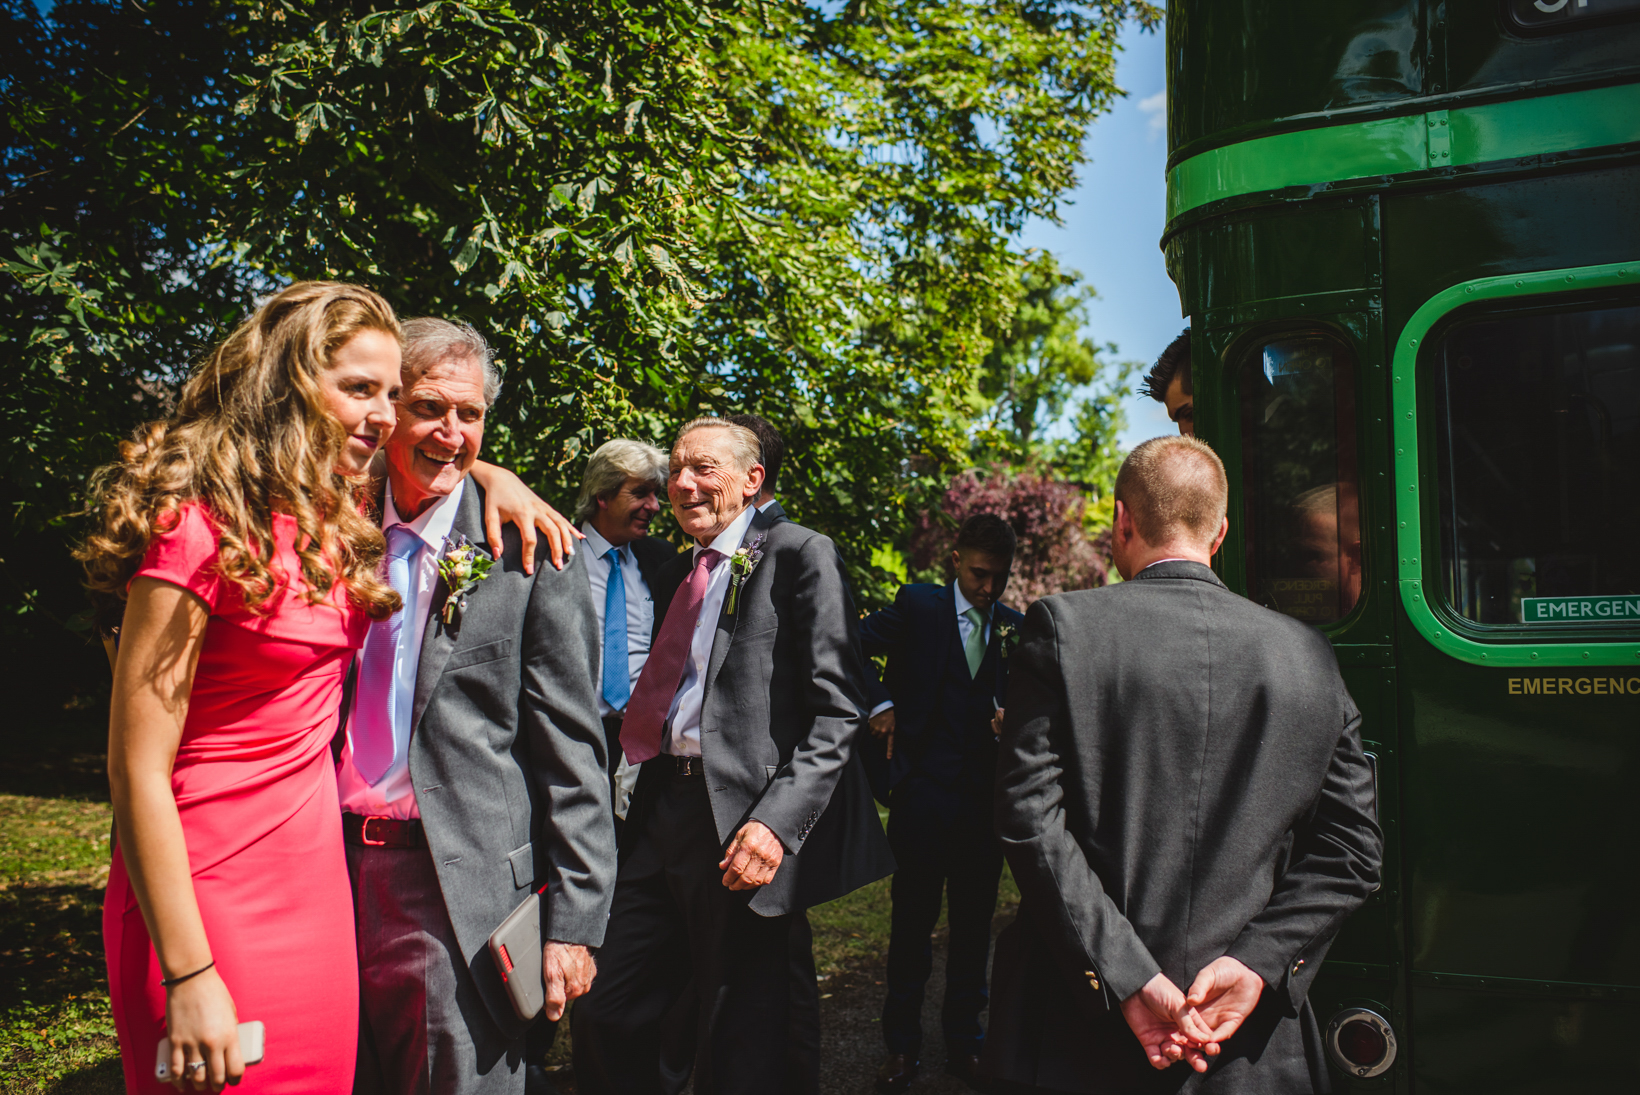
x=932 y=759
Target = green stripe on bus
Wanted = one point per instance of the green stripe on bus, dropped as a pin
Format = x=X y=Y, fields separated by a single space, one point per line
x=1393 y=146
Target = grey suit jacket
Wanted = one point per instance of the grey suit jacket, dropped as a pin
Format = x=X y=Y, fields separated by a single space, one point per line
x=785 y=695
x=507 y=755
x=1181 y=777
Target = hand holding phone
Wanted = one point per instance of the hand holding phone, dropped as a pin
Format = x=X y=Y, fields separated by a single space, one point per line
x=251 y=1036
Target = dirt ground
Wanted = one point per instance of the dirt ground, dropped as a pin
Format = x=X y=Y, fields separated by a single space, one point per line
x=851 y=1041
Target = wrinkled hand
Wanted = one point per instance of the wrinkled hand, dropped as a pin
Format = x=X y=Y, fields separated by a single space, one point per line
x=753 y=857
x=882 y=725
x=568 y=970
x=996 y=722
x=1150 y=1015
x=508 y=501
x=203 y=1025
x=1221 y=998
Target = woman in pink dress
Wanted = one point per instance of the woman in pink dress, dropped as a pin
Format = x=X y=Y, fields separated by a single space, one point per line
x=249 y=578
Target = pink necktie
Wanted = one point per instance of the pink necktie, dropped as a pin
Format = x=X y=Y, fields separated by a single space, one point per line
x=652 y=700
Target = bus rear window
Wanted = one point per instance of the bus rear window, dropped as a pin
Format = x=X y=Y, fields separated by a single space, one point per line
x=1538 y=436
x=1303 y=517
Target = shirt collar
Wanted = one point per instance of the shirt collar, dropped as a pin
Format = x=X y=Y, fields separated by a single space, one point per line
x=596 y=542
x=963 y=604
x=766 y=505
x=1169 y=559
x=729 y=539
x=435 y=522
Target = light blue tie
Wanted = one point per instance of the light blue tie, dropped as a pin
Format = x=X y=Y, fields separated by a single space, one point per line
x=617 y=670
x=373 y=732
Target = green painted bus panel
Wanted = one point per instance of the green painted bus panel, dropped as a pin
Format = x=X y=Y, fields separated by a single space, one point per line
x=1275 y=256
x=1290 y=64
x=1459 y=137
x=1371 y=935
x=1417 y=550
x=1522 y=936
x=1384 y=146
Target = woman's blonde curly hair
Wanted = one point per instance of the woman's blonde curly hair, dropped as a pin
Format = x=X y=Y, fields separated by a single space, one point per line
x=251 y=436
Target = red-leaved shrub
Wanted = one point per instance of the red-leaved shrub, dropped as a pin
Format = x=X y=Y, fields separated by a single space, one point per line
x=1055 y=553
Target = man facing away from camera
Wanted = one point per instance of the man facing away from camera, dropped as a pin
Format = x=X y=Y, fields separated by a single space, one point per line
x=1185 y=804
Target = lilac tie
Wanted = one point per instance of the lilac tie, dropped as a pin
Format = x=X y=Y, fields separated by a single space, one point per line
x=373 y=730
x=658 y=683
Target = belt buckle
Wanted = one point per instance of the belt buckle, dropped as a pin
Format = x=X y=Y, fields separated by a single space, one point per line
x=364 y=832
x=684 y=768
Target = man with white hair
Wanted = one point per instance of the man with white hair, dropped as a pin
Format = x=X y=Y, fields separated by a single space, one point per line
x=620 y=495
x=473 y=772
x=750 y=807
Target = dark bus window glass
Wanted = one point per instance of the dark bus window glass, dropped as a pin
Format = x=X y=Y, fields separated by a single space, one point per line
x=1303 y=519
x=1538 y=436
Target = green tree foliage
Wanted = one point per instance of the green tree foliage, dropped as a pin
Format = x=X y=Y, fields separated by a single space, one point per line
x=653 y=208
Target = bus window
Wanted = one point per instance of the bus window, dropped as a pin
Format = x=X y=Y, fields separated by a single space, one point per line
x=1538 y=436
x=1303 y=517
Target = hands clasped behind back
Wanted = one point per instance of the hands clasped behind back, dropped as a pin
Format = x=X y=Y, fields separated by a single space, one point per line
x=1173 y=1027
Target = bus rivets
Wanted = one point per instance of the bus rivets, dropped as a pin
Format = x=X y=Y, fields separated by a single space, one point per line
x=1534 y=655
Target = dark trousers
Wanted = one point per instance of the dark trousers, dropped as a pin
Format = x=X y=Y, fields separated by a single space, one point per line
x=944 y=845
x=675 y=928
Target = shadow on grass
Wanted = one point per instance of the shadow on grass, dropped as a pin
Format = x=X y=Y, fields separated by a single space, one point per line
x=66 y=758
x=99 y=1079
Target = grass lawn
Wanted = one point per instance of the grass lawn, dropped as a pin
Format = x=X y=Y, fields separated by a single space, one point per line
x=56 y=1033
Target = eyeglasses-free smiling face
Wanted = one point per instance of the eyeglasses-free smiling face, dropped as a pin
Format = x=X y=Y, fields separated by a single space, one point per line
x=440 y=431
x=359 y=387
x=708 y=491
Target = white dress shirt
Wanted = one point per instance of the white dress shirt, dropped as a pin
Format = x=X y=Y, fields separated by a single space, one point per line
x=640 y=607
x=965 y=627
x=393 y=796
x=686 y=704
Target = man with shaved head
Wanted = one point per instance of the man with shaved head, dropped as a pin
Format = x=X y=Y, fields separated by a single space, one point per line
x=1185 y=804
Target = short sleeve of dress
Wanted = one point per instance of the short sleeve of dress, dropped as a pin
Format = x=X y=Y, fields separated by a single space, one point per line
x=185 y=555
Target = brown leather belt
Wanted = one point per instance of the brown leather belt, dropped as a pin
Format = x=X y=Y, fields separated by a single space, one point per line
x=382 y=832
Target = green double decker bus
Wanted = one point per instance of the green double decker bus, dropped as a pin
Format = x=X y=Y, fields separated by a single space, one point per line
x=1406 y=234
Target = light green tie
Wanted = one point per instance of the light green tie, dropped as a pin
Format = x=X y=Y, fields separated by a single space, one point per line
x=975 y=646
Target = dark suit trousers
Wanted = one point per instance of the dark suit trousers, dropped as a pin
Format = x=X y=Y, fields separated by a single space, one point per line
x=945 y=845
x=675 y=928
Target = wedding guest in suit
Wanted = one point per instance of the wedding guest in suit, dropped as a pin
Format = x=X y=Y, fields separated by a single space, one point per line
x=1168 y=383
x=474 y=771
x=747 y=808
x=933 y=761
x=1184 y=802
x=620 y=495
x=230 y=538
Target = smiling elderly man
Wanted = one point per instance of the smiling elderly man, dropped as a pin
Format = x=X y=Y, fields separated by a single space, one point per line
x=473 y=772
x=751 y=805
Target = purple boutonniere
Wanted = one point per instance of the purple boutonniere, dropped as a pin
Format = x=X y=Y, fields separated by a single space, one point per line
x=462 y=567
x=741 y=565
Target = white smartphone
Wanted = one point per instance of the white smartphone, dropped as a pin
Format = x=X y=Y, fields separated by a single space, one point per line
x=250 y=1049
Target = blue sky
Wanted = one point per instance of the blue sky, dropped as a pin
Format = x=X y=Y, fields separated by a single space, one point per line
x=1113 y=224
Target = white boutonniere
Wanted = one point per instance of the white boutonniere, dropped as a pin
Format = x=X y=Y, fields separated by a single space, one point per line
x=741 y=565
x=462 y=566
x=1007 y=638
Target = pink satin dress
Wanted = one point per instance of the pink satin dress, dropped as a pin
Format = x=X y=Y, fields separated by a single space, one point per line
x=256 y=788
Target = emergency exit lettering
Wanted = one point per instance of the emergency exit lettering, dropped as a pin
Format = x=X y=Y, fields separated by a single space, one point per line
x=1574 y=686
x=1561 y=610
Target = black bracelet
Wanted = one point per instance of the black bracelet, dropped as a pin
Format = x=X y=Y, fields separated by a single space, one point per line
x=187 y=976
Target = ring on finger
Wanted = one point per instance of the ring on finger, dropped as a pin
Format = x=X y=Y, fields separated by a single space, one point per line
x=192 y=1065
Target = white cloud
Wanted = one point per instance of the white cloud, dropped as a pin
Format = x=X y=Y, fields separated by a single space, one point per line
x=1156 y=108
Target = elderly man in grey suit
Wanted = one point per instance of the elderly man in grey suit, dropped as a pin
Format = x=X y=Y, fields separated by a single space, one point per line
x=473 y=774
x=751 y=805
x=1184 y=801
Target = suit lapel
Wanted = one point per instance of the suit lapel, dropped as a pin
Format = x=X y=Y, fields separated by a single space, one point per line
x=725 y=636
x=945 y=609
x=439 y=641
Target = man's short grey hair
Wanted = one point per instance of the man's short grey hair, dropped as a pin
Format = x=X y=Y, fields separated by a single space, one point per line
x=744 y=447
x=611 y=465
x=429 y=342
